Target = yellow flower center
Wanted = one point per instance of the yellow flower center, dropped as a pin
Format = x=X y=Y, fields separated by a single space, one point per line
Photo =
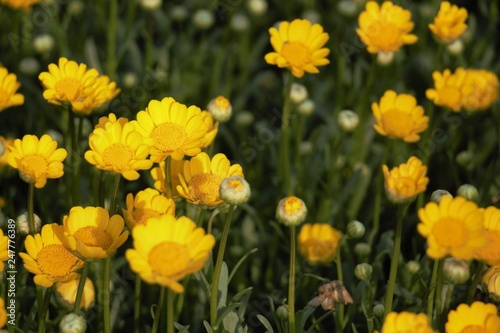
x=384 y=35
x=93 y=236
x=142 y=215
x=235 y=185
x=449 y=232
x=296 y=53
x=475 y=329
x=69 y=89
x=293 y=205
x=169 y=258
x=205 y=185
x=55 y=260
x=34 y=165
x=118 y=156
x=397 y=123
x=169 y=137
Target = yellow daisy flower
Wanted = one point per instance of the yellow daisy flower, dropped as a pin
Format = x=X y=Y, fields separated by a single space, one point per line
x=8 y=89
x=452 y=227
x=491 y=252
x=447 y=89
x=491 y=279
x=476 y=318
x=319 y=242
x=175 y=130
x=3 y=313
x=48 y=258
x=399 y=116
x=385 y=28
x=92 y=233
x=201 y=179
x=145 y=205
x=213 y=128
x=103 y=91
x=4 y=250
x=68 y=82
x=4 y=150
x=407 y=322
x=167 y=249
x=66 y=293
x=111 y=118
x=480 y=90
x=20 y=4
x=119 y=148
x=405 y=182
x=298 y=46
x=37 y=159
x=449 y=23
x=158 y=174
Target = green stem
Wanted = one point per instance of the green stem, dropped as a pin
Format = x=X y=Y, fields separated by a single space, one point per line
x=291 y=282
x=112 y=34
x=218 y=267
x=81 y=285
x=340 y=277
x=395 y=258
x=170 y=311
x=102 y=189
x=284 y=151
x=31 y=208
x=439 y=293
x=45 y=307
x=114 y=194
x=137 y=304
x=211 y=220
x=168 y=176
x=105 y=295
x=430 y=302
x=475 y=282
x=75 y=160
x=39 y=301
x=156 y=320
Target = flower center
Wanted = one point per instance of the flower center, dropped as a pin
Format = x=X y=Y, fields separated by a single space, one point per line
x=384 y=35
x=69 y=89
x=169 y=137
x=55 y=260
x=475 y=329
x=449 y=232
x=34 y=165
x=297 y=54
x=450 y=96
x=205 y=185
x=169 y=258
x=142 y=215
x=397 y=123
x=93 y=236
x=118 y=156
x=222 y=102
x=293 y=205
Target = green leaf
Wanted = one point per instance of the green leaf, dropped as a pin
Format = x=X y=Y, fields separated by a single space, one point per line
x=222 y=288
x=238 y=264
x=207 y=327
x=266 y=323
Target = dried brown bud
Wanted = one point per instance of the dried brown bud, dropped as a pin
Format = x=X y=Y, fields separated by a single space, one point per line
x=330 y=293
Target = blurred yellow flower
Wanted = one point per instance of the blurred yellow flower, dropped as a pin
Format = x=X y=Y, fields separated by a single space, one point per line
x=407 y=322
x=167 y=249
x=158 y=174
x=3 y=313
x=202 y=177
x=491 y=279
x=298 y=46
x=103 y=91
x=66 y=293
x=37 y=159
x=145 y=205
x=4 y=249
x=449 y=23
x=452 y=227
x=4 y=149
x=385 y=28
x=213 y=128
x=490 y=253
x=92 y=233
x=119 y=148
x=48 y=258
x=447 y=89
x=480 y=90
x=478 y=317
x=399 y=116
x=175 y=130
x=405 y=182
x=220 y=109
x=318 y=242
x=20 y=4
x=8 y=89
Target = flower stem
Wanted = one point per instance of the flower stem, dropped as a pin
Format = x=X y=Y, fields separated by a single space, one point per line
x=430 y=302
x=395 y=258
x=46 y=300
x=340 y=277
x=218 y=267
x=439 y=293
x=214 y=213
x=475 y=282
x=31 y=209
x=114 y=194
x=137 y=304
x=284 y=151
x=105 y=294
x=39 y=301
x=112 y=33
x=158 y=310
x=291 y=282
x=170 y=311
x=81 y=285
x=168 y=176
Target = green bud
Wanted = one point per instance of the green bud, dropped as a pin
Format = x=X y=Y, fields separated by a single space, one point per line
x=437 y=195
x=282 y=312
x=355 y=229
x=362 y=250
x=456 y=271
x=363 y=271
x=379 y=310
x=413 y=266
x=468 y=191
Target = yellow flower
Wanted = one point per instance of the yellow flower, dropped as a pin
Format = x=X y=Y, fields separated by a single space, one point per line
x=318 y=242
x=20 y=4
x=176 y=130
x=68 y=82
x=48 y=258
x=399 y=116
x=146 y=204
x=8 y=89
x=167 y=249
x=92 y=233
x=202 y=177
x=291 y=211
x=405 y=182
x=66 y=293
x=4 y=249
x=3 y=313
x=119 y=148
x=298 y=46
x=213 y=128
x=447 y=88
x=407 y=322
x=103 y=91
x=476 y=318
x=491 y=279
x=4 y=149
x=385 y=28
x=36 y=159
x=449 y=24
x=158 y=174
x=111 y=118
x=480 y=90
x=490 y=253
x=452 y=227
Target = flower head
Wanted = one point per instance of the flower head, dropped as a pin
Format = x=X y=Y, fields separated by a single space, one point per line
x=385 y=28
x=452 y=227
x=48 y=258
x=477 y=317
x=66 y=293
x=405 y=182
x=491 y=279
x=119 y=148
x=103 y=91
x=449 y=23
x=158 y=174
x=4 y=253
x=20 y=4
x=291 y=211
x=202 y=176
x=447 y=89
x=234 y=190
x=73 y=323
x=220 y=109
x=4 y=149
x=490 y=253
x=480 y=90
x=407 y=322
x=298 y=46
x=399 y=116
x=145 y=205
x=92 y=233
x=167 y=249
x=8 y=89
x=318 y=242
x=175 y=129
x=37 y=159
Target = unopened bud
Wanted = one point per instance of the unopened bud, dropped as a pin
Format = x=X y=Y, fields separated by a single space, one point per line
x=306 y=108
x=298 y=93
x=347 y=8
x=240 y=22
x=43 y=43
x=413 y=266
x=312 y=16
x=76 y=7
x=23 y=225
x=355 y=229
x=362 y=250
x=257 y=7
x=179 y=13
x=456 y=271
x=379 y=310
x=220 y=109
x=456 y=47
x=348 y=120
x=468 y=191
x=363 y=271
x=203 y=19
x=437 y=195
x=151 y=4
x=244 y=118
x=235 y=190
x=29 y=66
x=291 y=211
x=385 y=59
x=130 y=80
x=73 y=323
x=306 y=148
x=282 y=312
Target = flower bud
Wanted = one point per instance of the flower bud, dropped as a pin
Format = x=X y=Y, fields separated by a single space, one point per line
x=465 y=159
x=491 y=279
x=244 y=118
x=348 y=120
x=257 y=7
x=362 y=250
x=234 y=190
x=298 y=93
x=130 y=80
x=437 y=195
x=456 y=271
x=282 y=312
x=291 y=211
x=312 y=16
x=66 y=293
x=203 y=19
x=240 y=22
x=413 y=266
x=151 y=4
x=385 y=59
x=76 y=7
x=347 y=8
x=363 y=271
x=306 y=108
x=456 y=47
x=29 y=66
x=220 y=109
x=73 y=323
x=379 y=310
x=468 y=191
x=43 y=43
x=305 y=148
x=355 y=229
x=23 y=225
x=179 y=13
x=56 y=136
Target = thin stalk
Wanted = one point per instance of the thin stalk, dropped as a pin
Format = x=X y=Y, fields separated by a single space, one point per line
x=211 y=220
x=114 y=194
x=111 y=39
x=158 y=310
x=39 y=301
x=168 y=176
x=438 y=295
x=102 y=189
x=284 y=151
x=75 y=161
x=45 y=307
x=81 y=285
x=475 y=282
x=31 y=208
x=137 y=304
x=340 y=277
x=105 y=294
x=170 y=311
x=291 y=281
x=430 y=302
x=218 y=268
